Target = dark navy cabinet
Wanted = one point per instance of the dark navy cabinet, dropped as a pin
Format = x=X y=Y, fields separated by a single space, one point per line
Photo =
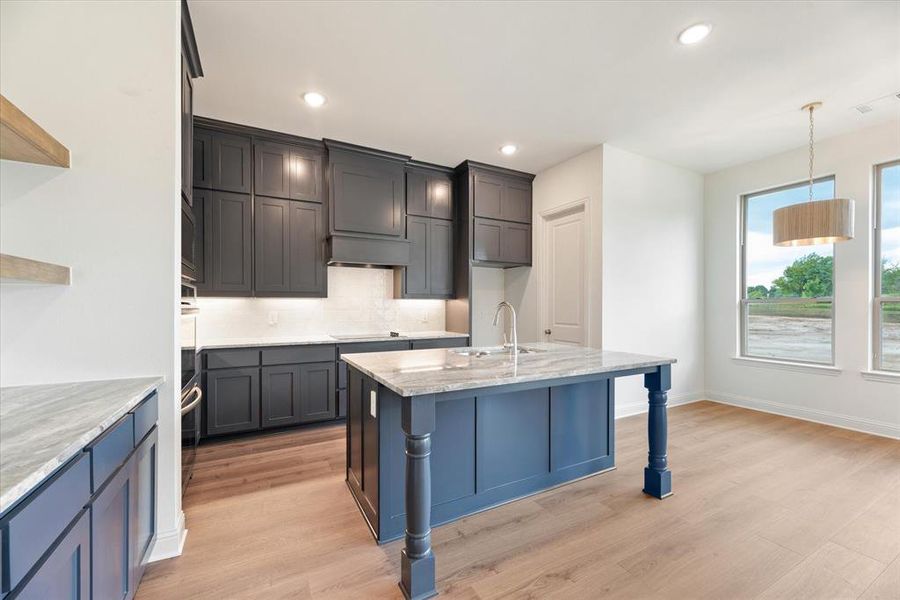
x=232 y=400
x=87 y=530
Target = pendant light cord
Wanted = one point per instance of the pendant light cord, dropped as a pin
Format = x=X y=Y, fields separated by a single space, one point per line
x=811 y=152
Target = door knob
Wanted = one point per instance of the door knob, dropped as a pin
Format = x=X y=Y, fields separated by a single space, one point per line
x=547 y=332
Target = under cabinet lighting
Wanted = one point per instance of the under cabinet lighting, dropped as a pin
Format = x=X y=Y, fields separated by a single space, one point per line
x=694 y=34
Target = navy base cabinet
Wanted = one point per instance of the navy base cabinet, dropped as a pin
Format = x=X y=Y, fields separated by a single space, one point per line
x=111 y=564
x=66 y=572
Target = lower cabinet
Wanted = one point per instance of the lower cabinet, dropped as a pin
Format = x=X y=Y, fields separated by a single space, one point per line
x=111 y=565
x=280 y=395
x=66 y=572
x=317 y=396
x=143 y=522
x=232 y=400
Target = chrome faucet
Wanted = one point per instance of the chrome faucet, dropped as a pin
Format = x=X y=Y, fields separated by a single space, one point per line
x=514 y=346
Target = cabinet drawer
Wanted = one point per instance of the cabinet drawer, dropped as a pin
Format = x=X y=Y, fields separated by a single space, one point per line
x=226 y=359
x=297 y=354
x=440 y=343
x=110 y=450
x=31 y=528
x=145 y=417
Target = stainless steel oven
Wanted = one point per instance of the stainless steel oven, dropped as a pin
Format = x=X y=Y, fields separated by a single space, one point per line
x=191 y=392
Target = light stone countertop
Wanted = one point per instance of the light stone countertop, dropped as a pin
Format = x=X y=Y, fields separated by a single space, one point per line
x=419 y=372
x=43 y=426
x=213 y=343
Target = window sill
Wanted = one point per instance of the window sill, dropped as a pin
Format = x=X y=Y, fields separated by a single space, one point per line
x=787 y=365
x=883 y=376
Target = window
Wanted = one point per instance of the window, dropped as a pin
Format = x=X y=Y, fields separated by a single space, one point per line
x=887 y=267
x=786 y=308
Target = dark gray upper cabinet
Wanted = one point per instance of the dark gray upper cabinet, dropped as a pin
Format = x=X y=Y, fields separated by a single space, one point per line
x=202 y=210
x=501 y=197
x=272 y=170
x=201 y=163
x=430 y=270
x=366 y=193
x=429 y=193
x=231 y=163
x=230 y=244
x=502 y=242
x=289 y=239
x=232 y=400
x=307 y=174
x=187 y=131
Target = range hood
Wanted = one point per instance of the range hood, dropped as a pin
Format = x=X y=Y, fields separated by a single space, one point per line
x=366 y=251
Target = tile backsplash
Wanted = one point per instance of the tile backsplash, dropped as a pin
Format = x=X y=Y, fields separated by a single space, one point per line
x=359 y=300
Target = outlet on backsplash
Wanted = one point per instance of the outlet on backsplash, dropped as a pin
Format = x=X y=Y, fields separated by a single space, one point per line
x=273 y=318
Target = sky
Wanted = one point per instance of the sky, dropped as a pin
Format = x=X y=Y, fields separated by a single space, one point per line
x=766 y=262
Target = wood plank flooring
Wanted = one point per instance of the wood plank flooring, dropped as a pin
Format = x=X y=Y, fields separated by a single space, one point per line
x=764 y=507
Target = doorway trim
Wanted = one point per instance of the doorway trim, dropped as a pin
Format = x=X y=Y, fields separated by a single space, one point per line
x=582 y=205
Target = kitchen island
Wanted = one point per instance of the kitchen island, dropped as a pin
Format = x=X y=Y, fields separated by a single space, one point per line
x=435 y=435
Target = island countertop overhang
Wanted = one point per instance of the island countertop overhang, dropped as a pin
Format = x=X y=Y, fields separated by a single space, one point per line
x=420 y=372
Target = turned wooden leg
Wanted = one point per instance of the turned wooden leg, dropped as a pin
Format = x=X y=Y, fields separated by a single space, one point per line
x=657 y=477
x=416 y=559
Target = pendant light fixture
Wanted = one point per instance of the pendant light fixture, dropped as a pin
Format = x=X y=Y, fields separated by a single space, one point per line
x=813 y=222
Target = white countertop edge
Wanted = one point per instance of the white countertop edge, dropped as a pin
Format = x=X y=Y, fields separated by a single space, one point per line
x=786 y=365
x=223 y=343
x=36 y=477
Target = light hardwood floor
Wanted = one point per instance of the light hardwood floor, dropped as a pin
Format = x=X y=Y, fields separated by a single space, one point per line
x=764 y=507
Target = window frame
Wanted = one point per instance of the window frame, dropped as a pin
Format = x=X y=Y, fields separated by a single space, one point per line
x=744 y=302
x=878 y=300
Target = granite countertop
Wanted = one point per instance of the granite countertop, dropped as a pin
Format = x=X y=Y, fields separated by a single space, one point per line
x=43 y=426
x=212 y=343
x=419 y=372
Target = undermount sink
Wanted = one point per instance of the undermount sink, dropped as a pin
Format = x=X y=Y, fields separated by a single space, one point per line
x=478 y=352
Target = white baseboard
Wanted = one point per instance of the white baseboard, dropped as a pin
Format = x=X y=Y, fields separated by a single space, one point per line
x=169 y=544
x=637 y=408
x=825 y=417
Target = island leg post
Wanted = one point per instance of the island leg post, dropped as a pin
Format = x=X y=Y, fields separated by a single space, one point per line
x=416 y=559
x=657 y=477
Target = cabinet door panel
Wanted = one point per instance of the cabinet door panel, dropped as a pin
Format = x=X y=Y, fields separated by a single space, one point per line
x=280 y=395
x=440 y=252
x=111 y=567
x=202 y=238
x=307 y=241
x=188 y=241
x=417 y=232
x=517 y=201
x=230 y=163
x=272 y=164
x=144 y=511
x=367 y=195
x=232 y=400
x=66 y=573
x=306 y=175
x=440 y=197
x=516 y=243
x=489 y=193
x=317 y=392
x=187 y=132
x=231 y=251
x=201 y=163
x=271 y=221
x=417 y=193
x=487 y=240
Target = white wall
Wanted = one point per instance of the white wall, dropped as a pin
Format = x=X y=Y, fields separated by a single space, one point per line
x=844 y=399
x=359 y=301
x=487 y=292
x=104 y=79
x=653 y=271
x=574 y=180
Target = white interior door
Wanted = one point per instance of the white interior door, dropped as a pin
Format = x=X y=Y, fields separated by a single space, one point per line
x=565 y=277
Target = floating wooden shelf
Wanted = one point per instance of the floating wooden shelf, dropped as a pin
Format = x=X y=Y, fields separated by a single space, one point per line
x=15 y=269
x=22 y=139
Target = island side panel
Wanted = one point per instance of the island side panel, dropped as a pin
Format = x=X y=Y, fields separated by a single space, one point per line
x=573 y=423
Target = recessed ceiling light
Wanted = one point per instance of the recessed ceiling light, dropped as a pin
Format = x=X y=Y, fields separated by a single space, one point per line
x=314 y=99
x=694 y=33
x=508 y=149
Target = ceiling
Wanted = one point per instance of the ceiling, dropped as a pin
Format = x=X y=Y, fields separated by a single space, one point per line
x=447 y=81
